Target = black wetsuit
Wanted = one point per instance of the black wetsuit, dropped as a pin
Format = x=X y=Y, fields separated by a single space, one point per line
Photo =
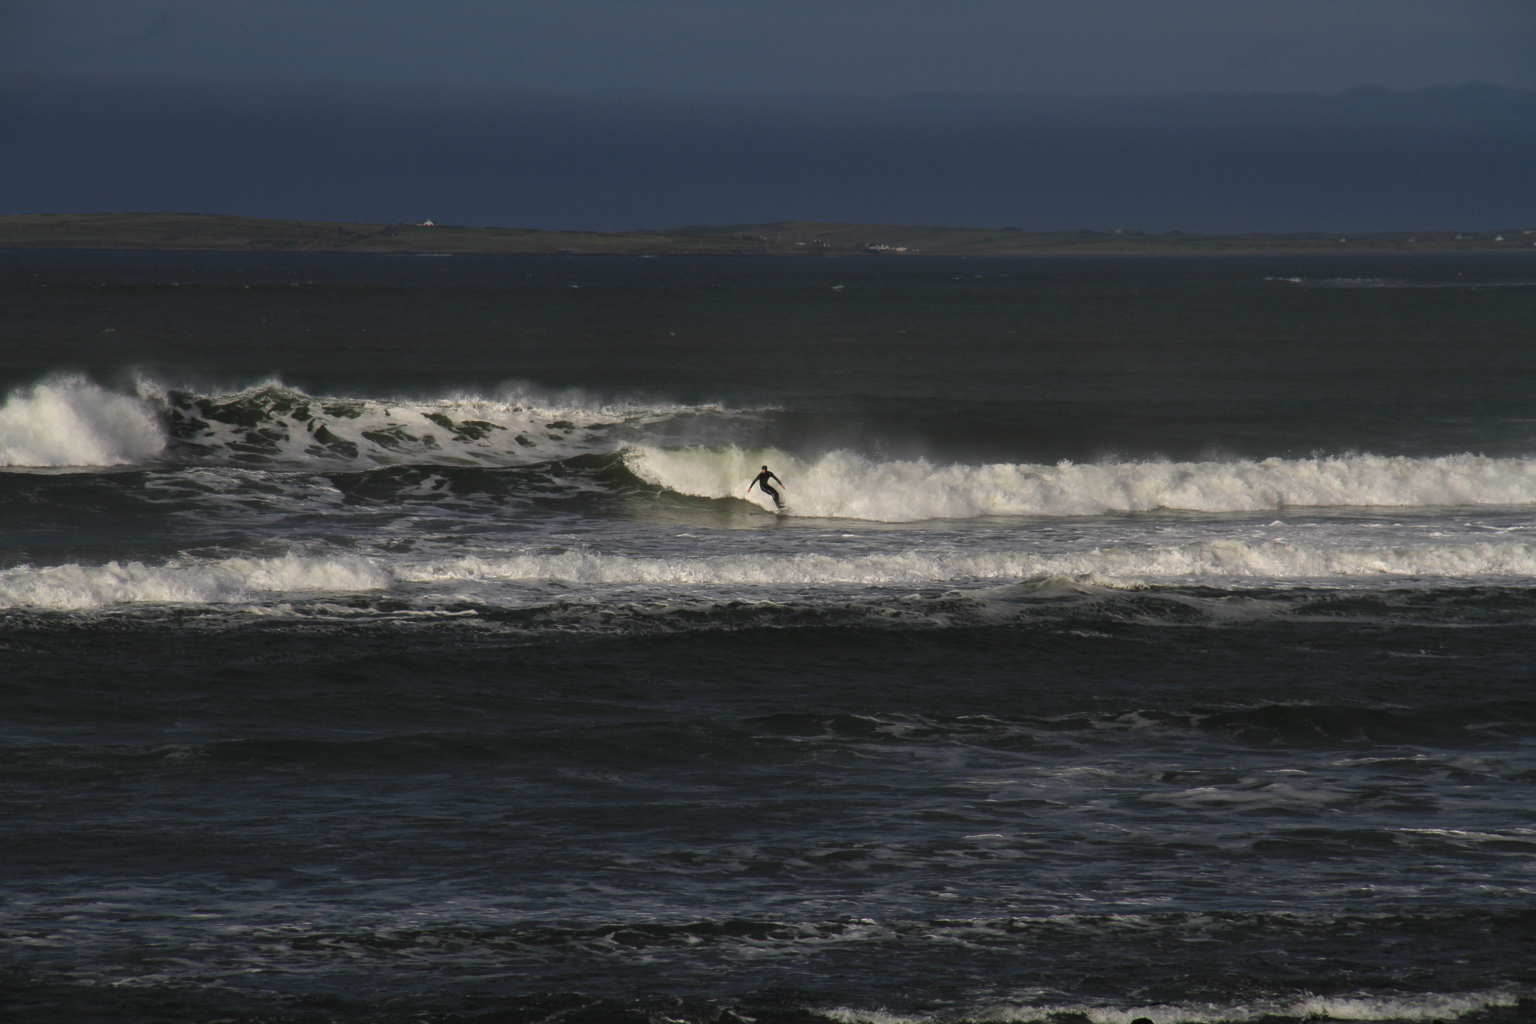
x=762 y=482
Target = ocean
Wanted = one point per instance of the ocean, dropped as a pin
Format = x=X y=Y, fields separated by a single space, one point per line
x=394 y=639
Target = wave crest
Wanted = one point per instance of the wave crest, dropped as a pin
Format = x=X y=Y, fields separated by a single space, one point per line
x=517 y=425
x=68 y=421
x=843 y=485
x=1109 y=564
x=994 y=585
x=234 y=580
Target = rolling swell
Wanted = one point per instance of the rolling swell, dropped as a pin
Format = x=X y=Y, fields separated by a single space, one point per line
x=1390 y=742
x=574 y=478
x=935 y=865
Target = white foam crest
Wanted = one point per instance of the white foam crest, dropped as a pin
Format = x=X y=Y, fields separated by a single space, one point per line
x=234 y=580
x=1430 y=1007
x=1283 y=560
x=1224 y=559
x=523 y=395
x=805 y=569
x=843 y=485
x=1427 y=1007
x=68 y=421
x=518 y=426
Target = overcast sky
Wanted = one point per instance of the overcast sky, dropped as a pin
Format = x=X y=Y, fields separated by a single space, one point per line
x=653 y=113
x=846 y=47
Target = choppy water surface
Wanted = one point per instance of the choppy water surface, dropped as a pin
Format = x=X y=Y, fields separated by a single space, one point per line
x=390 y=638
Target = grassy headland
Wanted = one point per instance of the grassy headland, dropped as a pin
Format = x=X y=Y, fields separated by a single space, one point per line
x=214 y=232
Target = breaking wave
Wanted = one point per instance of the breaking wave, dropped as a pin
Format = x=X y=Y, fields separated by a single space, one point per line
x=68 y=421
x=1261 y=560
x=1426 y=1008
x=86 y=588
x=517 y=578
x=276 y=424
x=843 y=485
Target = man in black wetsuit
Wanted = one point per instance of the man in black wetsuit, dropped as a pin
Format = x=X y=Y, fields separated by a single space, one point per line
x=762 y=482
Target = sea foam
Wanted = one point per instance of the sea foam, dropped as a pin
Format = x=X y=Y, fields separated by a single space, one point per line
x=273 y=423
x=68 y=421
x=1427 y=1007
x=73 y=587
x=1234 y=559
x=843 y=485
x=234 y=580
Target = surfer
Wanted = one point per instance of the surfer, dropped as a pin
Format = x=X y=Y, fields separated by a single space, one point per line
x=762 y=483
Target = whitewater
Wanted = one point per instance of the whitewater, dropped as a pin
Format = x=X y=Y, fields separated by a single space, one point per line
x=521 y=578
x=843 y=485
x=73 y=423
x=386 y=639
x=378 y=469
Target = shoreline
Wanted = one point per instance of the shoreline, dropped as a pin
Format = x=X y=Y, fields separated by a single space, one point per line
x=150 y=232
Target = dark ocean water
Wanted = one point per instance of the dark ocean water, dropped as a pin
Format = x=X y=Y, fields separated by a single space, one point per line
x=392 y=639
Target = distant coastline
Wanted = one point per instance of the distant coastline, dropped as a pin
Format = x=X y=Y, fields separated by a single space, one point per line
x=218 y=233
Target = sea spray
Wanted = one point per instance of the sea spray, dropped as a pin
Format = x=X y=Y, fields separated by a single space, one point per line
x=69 y=421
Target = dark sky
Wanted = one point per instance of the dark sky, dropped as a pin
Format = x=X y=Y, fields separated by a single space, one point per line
x=840 y=47
x=1197 y=114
